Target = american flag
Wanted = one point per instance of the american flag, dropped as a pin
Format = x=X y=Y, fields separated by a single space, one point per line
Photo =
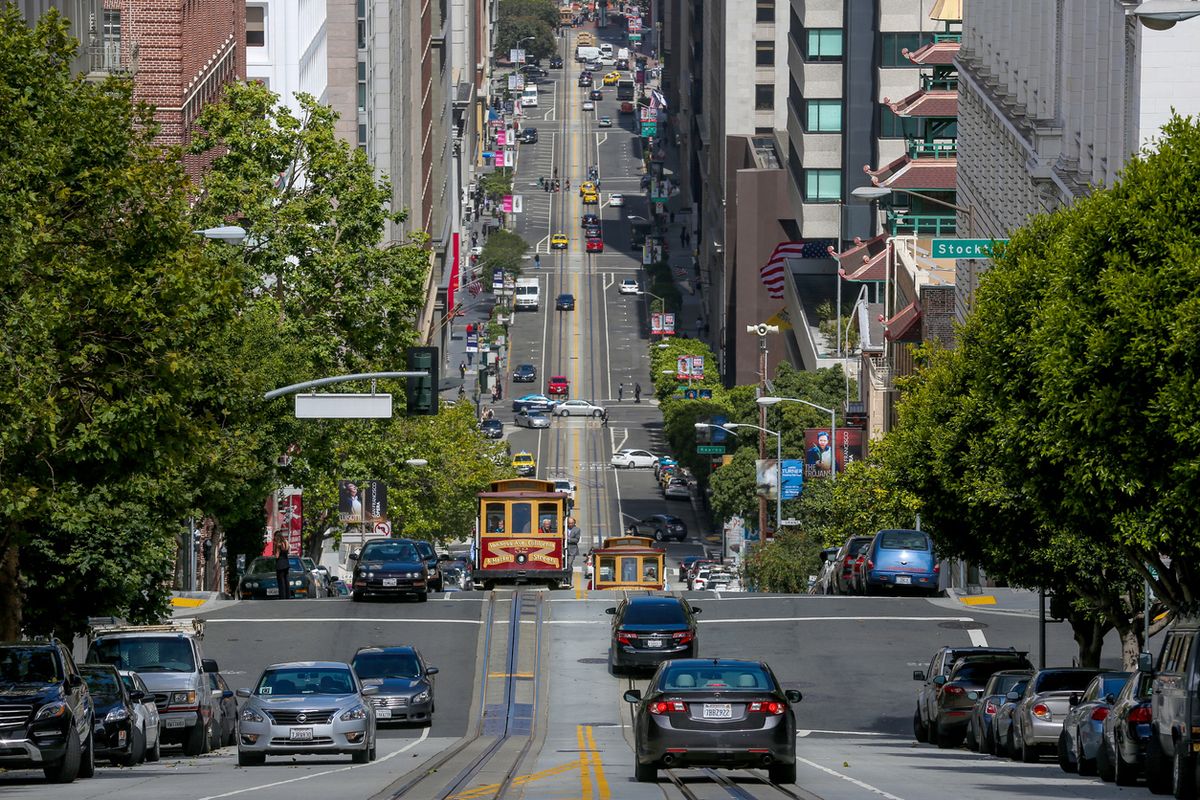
x=772 y=272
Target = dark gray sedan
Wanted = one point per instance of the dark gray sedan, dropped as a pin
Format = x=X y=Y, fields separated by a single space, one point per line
x=724 y=713
x=404 y=682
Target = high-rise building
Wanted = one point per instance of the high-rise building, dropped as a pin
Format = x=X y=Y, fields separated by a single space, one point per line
x=85 y=19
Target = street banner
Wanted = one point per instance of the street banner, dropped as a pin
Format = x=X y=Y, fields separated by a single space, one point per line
x=518 y=204
x=285 y=518
x=350 y=509
x=472 y=342
x=766 y=478
x=502 y=137
x=851 y=446
x=497 y=279
x=507 y=205
x=375 y=502
x=793 y=478
x=668 y=324
x=499 y=158
x=516 y=56
x=690 y=368
x=819 y=450
x=656 y=327
x=514 y=83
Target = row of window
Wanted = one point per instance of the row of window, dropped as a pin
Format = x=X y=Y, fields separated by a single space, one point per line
x=828 y=44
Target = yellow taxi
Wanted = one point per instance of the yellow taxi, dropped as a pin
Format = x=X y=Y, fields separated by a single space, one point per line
x=611 y=78
x=591 y=198
x=524 y=463
x=587 y=187
x=558 y=241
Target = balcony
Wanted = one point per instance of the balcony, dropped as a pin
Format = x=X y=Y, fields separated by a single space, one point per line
x=936 y=150
x=931 y=83
x=903 y=223
x=108 y=58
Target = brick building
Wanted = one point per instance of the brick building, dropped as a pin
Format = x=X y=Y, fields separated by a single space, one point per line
x=183 y=52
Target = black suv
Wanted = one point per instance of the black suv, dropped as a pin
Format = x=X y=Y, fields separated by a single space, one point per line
x=1175 y=711
x=46 y=712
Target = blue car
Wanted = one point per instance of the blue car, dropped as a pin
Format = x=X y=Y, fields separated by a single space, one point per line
x=980 y=733
x=533 y=402
x=1083 y=729
x=900 y=560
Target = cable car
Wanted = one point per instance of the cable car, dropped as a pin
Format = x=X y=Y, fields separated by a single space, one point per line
x=627 y=562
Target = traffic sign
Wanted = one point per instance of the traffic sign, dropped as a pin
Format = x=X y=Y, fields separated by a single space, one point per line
x=337 y=405
x=965 y=248
x=383 y=528
x=790 y=522
x=649 y=129
x=710 y=449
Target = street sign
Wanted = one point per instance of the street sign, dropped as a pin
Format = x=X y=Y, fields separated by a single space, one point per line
x=383 y=528
x=710 y=449
x=343 y=406
x=649 y=129
x=790 y=522
x=965 y=248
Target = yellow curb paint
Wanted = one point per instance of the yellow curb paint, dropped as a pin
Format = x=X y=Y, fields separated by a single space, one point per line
x=186 y=602
x=980 y=600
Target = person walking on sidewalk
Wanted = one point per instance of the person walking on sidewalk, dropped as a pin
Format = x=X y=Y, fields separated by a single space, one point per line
x=282 y=565
x=462 y=370
x=637 y=393
x=620 y=392
x=683 y=237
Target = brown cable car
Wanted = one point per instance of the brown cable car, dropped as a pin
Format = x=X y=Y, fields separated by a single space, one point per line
x=521 y=535
x=628 y=562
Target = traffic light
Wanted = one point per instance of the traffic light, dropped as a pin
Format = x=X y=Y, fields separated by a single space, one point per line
x=422 y=393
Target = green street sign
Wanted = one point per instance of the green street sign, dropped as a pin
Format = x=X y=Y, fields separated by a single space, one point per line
x=710 y=449
x=649 y=129
x=965 y=248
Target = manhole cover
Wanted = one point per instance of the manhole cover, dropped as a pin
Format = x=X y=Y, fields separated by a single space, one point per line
x=958 y=625
x=593 y=661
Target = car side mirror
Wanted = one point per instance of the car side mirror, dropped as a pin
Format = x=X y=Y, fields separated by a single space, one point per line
x=149 y=701
x=1012 y=697
x=74 y=681
x=633 y=696
x=610 y=610
x=431 y=670
x=226 y=694
x=940 y=680
x=244 y=693
x=354 y=555
x=137 y=695
x=1110 y=698
x=696 y=610
x=1145 y=662
x=1073 y=700
x=918 y=675
x=793 y=695
x=367 y=691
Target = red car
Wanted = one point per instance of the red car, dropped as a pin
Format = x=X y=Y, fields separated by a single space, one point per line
x=559 y=385
x=595 y=245
x=626 y=107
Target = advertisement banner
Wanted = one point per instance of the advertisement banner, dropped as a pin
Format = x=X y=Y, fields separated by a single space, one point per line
x=472 y=342
x=497 y=280
x=766 y=477
x=690 y=368
x=504 y=552
x=516 y=56
x=508 y=204
x=819 y=450
x=793 y=478
x=350 y=506
x=499 y=158
x=374 y=502
x=502 y=137
x=851 y=446
x=656 y=324
x=668 y=324
x=518 y=204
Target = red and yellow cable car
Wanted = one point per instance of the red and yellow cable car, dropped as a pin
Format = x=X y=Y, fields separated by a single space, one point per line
x=627 y=562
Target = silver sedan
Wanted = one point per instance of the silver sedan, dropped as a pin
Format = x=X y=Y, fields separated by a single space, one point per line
x=579 y=408
x=306 y=707
x=532 y=419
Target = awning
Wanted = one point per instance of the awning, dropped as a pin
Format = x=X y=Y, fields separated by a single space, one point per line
x=865 y=260
x=901 y=326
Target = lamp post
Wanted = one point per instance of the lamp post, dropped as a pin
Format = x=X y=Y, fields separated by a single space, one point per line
x=1159 y=15
x=732 y=427
x=766 y=402
x=880 y=192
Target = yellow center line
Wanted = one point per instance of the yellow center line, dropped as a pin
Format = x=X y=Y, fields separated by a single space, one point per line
x=601 y=781
x=510 y=674
x=585 y=776
x=520 y=780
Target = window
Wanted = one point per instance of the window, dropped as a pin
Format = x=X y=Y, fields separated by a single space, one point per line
x=764 y=11
x=894 y=127
x=822 y=186
x=893 y=45
x=362 y=24
x=822 y=116
x=362 y=86
x=764 y=54
x=764 y=96
x=495 y=511
x=256 y=26
x=823 y=44
x=112 y=39
x=522 y=518
x=763 y=131
x=362 y=135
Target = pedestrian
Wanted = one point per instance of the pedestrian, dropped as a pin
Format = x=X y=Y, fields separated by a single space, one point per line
x=537 y=261
x=556 y=173
x=568 y=184
x=282 y=565
x=620 y=391
x=462 y=391
x=462 y=370
x=672 y=217
x=637 y=393
x=683 y=237
x=470 y=359
x=604 y=417
x=495 y=398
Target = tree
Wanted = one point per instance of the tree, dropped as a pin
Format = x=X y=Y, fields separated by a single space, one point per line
x=497 y=183
x=504 y=250
x=545 y=11
x=511 y=30
x=112 y=316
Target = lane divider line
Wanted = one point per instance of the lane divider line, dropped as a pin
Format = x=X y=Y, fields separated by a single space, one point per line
x=598 y=766
x=585 y=775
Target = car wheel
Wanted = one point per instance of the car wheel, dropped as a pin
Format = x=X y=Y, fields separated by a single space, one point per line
x=373 y=753
x=1083 y=765
x=972 y=739
x=137 y=750
x=658 y=536
x=947 y=740
x=1013 y=748
x=197 y=741
x=361 y=756
x=1104 y=764
x=66 y=768
x=422 y=597
x=1157 y=776
x=87 y=759
x=1064 y=758
x=597 y=413
x=645 y=773
x=920 y=732
x=251 y=759
x=782 y=773
x=1122 y=772
x=153 y=754
x=988 y=745
x=1029 y=754
x=1183 y=775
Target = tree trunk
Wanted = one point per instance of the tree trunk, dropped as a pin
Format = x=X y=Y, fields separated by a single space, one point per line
x=1130 y=632
x=1089 y=637
x=10 y=594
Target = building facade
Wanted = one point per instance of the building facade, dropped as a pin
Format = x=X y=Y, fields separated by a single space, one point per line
x=85 y=20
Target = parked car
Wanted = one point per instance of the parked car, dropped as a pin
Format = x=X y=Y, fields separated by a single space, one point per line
x=724 y=713
x=389 y=567
x=661 y=527
x=117 y=739
x=579 y=408
x=524 y=373
x=1175 y=721
x=960 y=688
x=492 y=428
x=564 y=302
x=629 y=286
x=677 y=489
x=306 y=707
x=224 y=712
x=1002 y=719
x=663 y=461
x=980 y=726
x=943 y=660
x=145 y=714
x=629 y=458
x=46 y=711
x=1037 y=720
x=538 y=402
x=646 y=630
x=1122 y=756
x=532 y=419
x=901 y=560
x=1083 y=728
x=432 y=563
x=320 y=574
x=404 y=681
x=260 y=582
x=528 y=136
x=844 y=578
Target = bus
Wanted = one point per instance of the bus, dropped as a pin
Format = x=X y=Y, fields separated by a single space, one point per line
x=625 y=89
x=520 y=535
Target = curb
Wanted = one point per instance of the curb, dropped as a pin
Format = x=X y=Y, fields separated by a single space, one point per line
x=194 y=599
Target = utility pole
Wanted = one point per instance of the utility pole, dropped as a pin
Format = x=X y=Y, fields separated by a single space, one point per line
x=762 y=329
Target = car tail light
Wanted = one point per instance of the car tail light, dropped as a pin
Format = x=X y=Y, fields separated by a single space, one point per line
x=951 y=689
x=870 y=564
x=937 y=567
x=683 y=637
x=625 y=638
x=1041 y=711
x=1140 y=715
x=1099 y=713
x=991 y=708
x=773 y=707
x=667 y=706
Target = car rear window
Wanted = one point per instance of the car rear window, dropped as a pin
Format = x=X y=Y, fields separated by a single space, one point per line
x=1114 y=683
x=980 y=671
x=1064 y=681
x=654 y=614
x=903 y=540
x=747 y=677
x=386 y=665
x=1007 y=683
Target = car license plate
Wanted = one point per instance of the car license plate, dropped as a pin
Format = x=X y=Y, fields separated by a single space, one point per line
x=272 y=592
x=383 y=713
x=717 y=711
x=300 y=734
x=175 y=722
x=389 y=581
x=903 y=580
x=654 y=643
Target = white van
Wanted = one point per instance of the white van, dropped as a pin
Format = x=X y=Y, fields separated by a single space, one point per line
x=587 y=54
x=526 y=294
x=606 y=50
x=529 y=97
x=623 y=56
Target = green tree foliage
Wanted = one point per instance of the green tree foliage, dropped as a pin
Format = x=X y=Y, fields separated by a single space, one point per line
x=504 y=250
x=111 y=316
x=521 y=19
x=497 y=183
x=545 y=11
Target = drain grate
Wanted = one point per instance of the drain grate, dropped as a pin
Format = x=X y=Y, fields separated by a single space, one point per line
x=957 y=625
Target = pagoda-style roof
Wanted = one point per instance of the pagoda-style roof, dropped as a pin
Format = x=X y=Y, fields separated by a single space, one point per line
x=934 y=54
x=935 y=174
x=922 y=103
x=901 y=326
x=865 y=260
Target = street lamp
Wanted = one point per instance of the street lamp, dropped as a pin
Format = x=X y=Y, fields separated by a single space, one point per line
x=766 y=402
x=1159 y=15
x=880 y=192
x=230 y=234
x=731 y=427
